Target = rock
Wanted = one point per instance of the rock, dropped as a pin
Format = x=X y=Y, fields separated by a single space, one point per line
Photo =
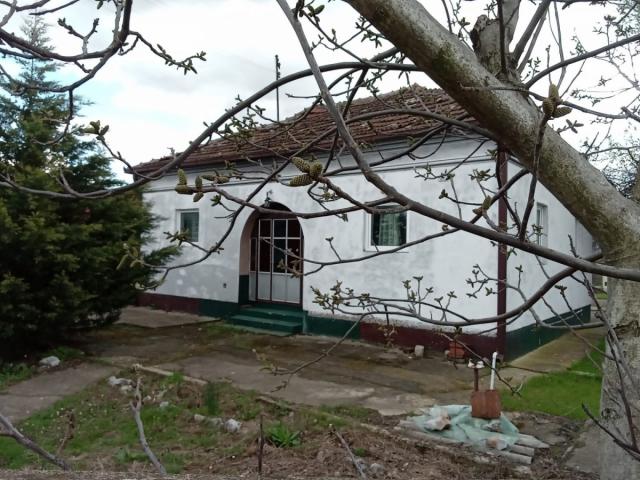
x=232 y=426
x=50 y=362
x=215 y=422
x=164 y=404
x=522 y=470
x=199 y=418
x=361 y=464
x=481 y=459
x=376 y=469
x=126 y=388
x=114 y=381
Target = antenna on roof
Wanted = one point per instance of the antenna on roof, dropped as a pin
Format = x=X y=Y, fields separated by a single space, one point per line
x=277 y=88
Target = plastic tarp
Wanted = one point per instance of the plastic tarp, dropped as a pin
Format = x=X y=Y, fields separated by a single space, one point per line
x=454 y=422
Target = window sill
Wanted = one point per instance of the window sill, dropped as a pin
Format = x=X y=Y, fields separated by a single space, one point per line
x=384 y=249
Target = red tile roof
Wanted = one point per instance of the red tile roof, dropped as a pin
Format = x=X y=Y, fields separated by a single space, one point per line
x=291 y=134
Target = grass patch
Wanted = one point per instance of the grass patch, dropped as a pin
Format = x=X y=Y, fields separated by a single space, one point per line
x=11 y=373
x=562 y=393
x=105 y=433
x=232 y=336
x=362 y=414
x=65 y=353
x=14 y=372
x=105 y=429
x=175 y=379
x=600 y=295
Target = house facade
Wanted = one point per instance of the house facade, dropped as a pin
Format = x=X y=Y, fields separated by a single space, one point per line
x=252 y=274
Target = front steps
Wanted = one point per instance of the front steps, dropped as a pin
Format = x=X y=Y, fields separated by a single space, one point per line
x=269 y=319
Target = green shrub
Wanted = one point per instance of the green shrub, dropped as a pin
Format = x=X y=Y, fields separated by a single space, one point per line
x=59 y=257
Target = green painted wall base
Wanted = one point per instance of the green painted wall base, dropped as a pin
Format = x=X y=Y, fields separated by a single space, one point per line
x=519 y=341
x=332 y=327
x=528 y=338
x=216 y=308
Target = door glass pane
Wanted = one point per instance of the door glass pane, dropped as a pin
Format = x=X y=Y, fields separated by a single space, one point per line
x=280 y=245
x=294 y=228
x=252 y=265
x=265 y=256
x=279 y=228
x=265 y=228
x=293 y=245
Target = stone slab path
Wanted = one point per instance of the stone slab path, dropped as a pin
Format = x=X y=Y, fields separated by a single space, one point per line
x=26 y=398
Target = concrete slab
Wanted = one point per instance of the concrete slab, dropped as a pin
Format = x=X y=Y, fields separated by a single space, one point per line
x=390 y=381
x=252 y=376
x=25 y=398
x=148 y=318
x=585 y=453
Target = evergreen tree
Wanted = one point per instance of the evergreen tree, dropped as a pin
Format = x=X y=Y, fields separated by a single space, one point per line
x=59 y=257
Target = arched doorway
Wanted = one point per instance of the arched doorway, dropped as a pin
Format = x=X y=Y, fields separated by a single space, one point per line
x=273 y=238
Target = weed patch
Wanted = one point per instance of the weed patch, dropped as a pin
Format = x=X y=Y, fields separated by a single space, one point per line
x=281 y=436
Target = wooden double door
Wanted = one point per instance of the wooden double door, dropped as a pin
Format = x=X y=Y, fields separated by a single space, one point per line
x=276 y=246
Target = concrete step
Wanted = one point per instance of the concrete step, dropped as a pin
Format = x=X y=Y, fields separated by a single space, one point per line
x=279 y=313
x=271 y=324
x=260 y=331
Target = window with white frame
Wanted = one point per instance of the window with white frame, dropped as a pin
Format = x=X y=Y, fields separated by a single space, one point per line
x=189 y=223
x=386 y=230
x=541 y=228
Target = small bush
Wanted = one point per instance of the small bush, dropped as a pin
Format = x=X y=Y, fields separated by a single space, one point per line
x=281 y=436
x=211 y=399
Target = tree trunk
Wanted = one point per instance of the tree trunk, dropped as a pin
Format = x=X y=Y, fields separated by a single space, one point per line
x=623 y=310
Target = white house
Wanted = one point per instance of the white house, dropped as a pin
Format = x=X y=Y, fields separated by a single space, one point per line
x=247 y=284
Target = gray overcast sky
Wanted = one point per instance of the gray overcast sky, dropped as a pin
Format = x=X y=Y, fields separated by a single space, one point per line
x=152 y=108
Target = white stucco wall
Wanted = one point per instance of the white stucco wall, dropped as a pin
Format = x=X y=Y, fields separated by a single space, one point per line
x=562 y=224
x=444 y=263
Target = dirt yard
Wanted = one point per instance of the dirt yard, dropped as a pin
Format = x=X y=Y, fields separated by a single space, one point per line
x=95 y=430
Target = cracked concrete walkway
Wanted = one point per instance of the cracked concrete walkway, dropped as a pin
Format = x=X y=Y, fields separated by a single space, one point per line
x=23 y=399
